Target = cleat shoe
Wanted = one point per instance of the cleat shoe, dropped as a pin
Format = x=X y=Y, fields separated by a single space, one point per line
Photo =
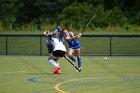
x=74 y=62
x=56 y=71
x=59 y=71
x=80 y=69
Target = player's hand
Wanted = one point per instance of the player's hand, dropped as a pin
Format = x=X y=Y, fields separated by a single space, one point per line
x=78 y=36
x=45 y=33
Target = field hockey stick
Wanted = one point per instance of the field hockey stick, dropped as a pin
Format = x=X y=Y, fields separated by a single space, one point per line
x=88 y=23
x=73 y=64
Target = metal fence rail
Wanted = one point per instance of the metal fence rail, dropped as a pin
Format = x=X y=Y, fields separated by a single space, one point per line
x=34 y=44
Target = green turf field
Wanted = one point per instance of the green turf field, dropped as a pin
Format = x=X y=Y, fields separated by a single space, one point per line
x=33 y=74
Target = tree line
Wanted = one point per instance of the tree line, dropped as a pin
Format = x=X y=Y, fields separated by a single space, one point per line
x=37 y=14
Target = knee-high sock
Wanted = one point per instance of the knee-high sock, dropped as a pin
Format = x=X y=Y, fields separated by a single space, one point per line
x=72 y=58
x=57 y=63
x=52 y=62
x=79 y=62
x=56 y=60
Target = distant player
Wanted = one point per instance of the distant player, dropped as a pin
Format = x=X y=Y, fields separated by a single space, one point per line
x=48 y=41
x=59 y=51
x=58 y=33
x=74 y=45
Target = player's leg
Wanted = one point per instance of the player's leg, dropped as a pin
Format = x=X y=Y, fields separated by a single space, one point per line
x=70 y=52
x=78 y=58
x=50 y=48
x=53 y=63
x=58 y=71
x=57 y=54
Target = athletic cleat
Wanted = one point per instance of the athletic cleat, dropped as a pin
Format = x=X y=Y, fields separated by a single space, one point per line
x=57 y=70
x=74 y=62
x=80 y=69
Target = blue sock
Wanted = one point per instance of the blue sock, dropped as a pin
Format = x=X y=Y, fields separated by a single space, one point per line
x=79 y=62
x=72 y=58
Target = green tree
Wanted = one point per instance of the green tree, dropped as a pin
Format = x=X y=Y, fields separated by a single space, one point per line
x=33 y=10
x=100 y=20
x=115 y=17
x=137 y=18
x=7 y=13
x=76 y=15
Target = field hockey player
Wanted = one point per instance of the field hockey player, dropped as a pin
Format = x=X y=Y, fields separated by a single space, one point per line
x=74 y=45
x=59 y=51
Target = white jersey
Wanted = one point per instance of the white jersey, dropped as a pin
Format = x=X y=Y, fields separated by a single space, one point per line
x=58 y=45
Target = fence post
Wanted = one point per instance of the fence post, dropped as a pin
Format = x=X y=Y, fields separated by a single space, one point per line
x=110 y=45
x=6 y=45
x=40 y=45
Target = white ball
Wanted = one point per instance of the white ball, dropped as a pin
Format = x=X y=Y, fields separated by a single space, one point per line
x=105 y=58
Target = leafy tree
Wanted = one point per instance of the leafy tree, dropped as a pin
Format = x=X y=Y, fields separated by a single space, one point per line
x=100 y=20
x=115 y=17
x=137 y=18
x=36 y=9
x=76 y=14
x=7 y=13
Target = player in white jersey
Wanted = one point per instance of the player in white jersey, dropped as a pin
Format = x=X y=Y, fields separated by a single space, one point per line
x=59 y=51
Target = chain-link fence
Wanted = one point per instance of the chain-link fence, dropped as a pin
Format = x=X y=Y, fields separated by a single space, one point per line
x=27 y=44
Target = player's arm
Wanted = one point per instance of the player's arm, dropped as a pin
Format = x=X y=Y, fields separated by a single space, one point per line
x=74 y=37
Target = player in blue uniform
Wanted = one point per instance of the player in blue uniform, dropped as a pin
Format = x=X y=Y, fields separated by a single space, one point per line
x=74 y=45
x=58 y=33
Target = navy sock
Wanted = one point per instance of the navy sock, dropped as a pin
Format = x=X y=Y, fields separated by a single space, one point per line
x=79 y=62
x=72 y=58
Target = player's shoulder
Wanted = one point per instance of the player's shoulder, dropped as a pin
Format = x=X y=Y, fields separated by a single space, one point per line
x=71 y=32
